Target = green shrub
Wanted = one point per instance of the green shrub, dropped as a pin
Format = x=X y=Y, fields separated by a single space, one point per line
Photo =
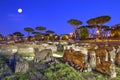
x=9 y=77
x=22 y=76
x=62 y=72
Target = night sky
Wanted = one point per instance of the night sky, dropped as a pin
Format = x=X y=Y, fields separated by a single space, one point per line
x=54 y=14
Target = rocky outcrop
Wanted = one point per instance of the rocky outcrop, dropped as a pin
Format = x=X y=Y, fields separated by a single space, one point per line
x=21 y=66
x=18 y=64
x=43 y=55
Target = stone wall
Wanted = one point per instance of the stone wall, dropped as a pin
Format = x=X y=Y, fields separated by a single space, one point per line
x=8 y=49
x=26 y=50
x=23 y=49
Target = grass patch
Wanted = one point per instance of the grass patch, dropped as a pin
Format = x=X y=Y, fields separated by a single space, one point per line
x=4 y=58
x=27 y=55
x=62 y=72
x=59 y=53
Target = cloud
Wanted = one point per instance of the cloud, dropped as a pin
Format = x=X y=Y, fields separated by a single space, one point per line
x=15 y=17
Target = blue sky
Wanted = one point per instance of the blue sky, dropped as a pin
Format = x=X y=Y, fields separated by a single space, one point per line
x=54 y=14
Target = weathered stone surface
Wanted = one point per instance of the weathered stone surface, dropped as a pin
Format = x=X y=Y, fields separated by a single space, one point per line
x=101 y=53
x=112 y=54
x=118 y=49
x=112 y=71
x=43 y=55
x=98 y=61
x=26 y=51
x=117 y=59
x=8 y=49
x=23 y=49
x=21 y=66
x=85 y=52
x=18 y=64
x=60 y=48
x=92 y=59
x=109 y=48
x=75 y=57
x=104 y=67
x=63 y=43
x=88 y=68
x=52 y=47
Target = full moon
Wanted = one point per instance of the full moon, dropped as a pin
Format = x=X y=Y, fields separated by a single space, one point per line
x=19 y=10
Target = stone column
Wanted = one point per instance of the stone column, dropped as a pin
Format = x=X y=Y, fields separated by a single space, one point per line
x=88 y=68
x=106 y=56
x=85 y=52
x=112 y=70
x=93 y=59
x=112 y=55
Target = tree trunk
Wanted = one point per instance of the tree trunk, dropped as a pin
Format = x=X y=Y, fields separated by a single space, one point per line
x=100 y=30
x=28 y=34
x=40 y=36
x=75 y=28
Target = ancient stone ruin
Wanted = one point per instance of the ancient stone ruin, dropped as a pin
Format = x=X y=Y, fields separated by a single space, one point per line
x=101 y=59
x=18 y=64
x=43 y=55
x=75 y=57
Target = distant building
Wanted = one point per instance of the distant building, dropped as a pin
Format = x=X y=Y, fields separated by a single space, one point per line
x=1 y=38
x=15 y=38
x=9 y=37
